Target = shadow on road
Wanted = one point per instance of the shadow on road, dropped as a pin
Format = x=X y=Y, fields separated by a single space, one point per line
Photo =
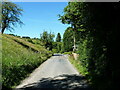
x=60 y=82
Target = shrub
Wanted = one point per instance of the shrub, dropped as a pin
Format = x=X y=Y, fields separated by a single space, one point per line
x=68 y=53
x=54 y=50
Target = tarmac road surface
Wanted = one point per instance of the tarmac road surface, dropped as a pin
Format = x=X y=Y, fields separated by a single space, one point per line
x=55 y=73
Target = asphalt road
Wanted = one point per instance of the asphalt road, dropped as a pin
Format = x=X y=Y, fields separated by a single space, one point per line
x=56 y=73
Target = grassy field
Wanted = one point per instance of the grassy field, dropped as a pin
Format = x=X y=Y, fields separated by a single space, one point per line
x=19 y=58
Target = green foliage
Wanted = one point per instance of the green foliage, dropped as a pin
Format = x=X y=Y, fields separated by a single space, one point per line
x=54 y=50
x=68 y=53
x=10 y=16
x=82 y=50
x=102 y=41
x=97 y=24
x=81 y=69
x=57 y=47
x=48 y=42
x=72 y=15
x=26 y=37
x=47 y=39
x=18 y=61
x=58 y=38
x=68 y=40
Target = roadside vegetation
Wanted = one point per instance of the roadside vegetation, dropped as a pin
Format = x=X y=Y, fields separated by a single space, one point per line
x=82 y=70
x=18 y=61
x=94 y=34
x=49 y=43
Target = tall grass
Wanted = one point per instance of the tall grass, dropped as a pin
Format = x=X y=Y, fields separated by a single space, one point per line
x=18 y=61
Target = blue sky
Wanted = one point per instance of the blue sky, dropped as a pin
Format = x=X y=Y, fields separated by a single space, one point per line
x=40 y=16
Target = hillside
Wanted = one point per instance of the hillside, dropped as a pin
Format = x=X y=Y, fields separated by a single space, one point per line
x=19 y=58
x=27 y=44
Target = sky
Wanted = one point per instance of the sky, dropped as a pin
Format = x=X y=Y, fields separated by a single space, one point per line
x=38 y=17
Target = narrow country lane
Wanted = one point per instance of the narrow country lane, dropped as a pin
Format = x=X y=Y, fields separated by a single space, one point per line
x=56 y=73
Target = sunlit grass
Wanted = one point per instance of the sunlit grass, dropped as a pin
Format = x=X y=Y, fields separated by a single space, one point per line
x=18 y=61
x=23 y=41
x=78 y=66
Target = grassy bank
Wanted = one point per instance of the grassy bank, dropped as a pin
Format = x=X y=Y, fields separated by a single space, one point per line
x=18 y=60
x=78 y=66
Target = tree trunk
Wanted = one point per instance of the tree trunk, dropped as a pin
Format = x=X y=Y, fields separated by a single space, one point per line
x=74 y=47
x=3 y=29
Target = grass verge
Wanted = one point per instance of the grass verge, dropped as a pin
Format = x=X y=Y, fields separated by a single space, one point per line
x=78 y=66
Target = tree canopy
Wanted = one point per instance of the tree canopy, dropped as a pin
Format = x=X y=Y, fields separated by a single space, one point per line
x=98 y=27
x=58 y=38
x=68 y=40
x=10 y=16
x=47 y=39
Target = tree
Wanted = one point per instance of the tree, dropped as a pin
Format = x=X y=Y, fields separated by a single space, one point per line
x=10 y=16
x=71 y=16
x=98 y=24
x=51 y=40
x=104 y=33
x=59 y=46
x=47 y=39
x=58 y=38
x=68 y=40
